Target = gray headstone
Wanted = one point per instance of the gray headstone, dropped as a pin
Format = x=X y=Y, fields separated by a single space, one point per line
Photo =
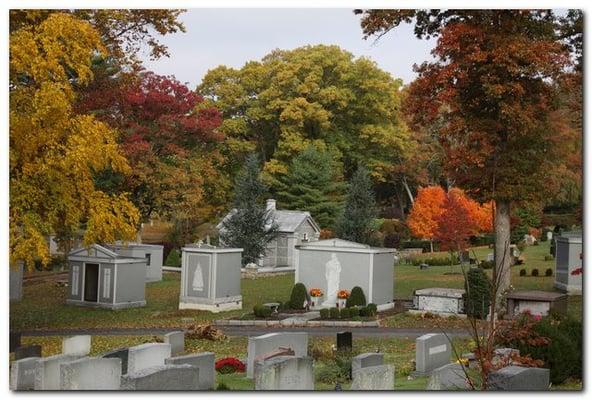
x=380 y=377
x=259 y=345
x=344 y=341
x=448 y=377
x=176 y=340
x=164 y=377
x=365 y=360
x=47 y=371
x=285 y=373
x=76 y=345
x=431 y=351
x=122 y=354
x=16 y=282
x=91 y=374
x=519 y=378
x=146 y=356
x=22 y=374
x=27 y=352
x=204 y=362
x=14 y=341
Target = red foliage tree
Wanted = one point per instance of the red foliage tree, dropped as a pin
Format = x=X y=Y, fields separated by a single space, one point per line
x=457 y=223
x=427 y=208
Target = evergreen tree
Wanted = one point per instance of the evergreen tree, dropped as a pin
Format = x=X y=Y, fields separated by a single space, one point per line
x=313 y=184
x=250 y=225
x=356 y=221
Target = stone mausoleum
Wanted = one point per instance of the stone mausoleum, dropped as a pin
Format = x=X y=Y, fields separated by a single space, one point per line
x=295 y=228
x=100 y=277
x=335 y=264
x=210 y=278
x=568 y=258
x=152 y=252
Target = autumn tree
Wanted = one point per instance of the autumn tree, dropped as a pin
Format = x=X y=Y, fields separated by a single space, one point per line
x=492 y=86
x=427 y=208
x=457 y=221
x=313 y=183
x=320 y=95
x=171 y=140
x=355 y=223
x=54 y=152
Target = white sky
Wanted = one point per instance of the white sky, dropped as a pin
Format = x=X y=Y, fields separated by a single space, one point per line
x=234 y=36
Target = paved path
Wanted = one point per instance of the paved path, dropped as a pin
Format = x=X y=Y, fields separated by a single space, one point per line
x=254 y=331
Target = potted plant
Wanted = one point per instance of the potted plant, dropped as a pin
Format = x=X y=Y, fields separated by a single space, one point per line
x=315 y=297
x=342 y=296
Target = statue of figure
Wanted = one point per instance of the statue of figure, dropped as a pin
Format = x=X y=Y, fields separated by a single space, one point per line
x=198 y=283
x=332 y=272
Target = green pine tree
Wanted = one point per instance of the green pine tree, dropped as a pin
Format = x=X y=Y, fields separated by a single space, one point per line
x=313 y=183
x=356 y=221
x=250 y=226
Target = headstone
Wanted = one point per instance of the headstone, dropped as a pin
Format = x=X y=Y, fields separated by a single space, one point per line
x=91 y=374
x=431 y=351
x=258 y=345
x=448 y=377
x=344 y=341
x=381 y=377
x=519 y=378
x=15 y=290
x=163 y=377
x=146 y=356
x=122 y=354
x=464 y=256
x=76 y=345
x=176 y=340
x=22 y=374
x=27 y=352
x=204 y=362
x=490 y=257
x=14 y=341
x=423 y=266
x=365 y=360
x=549 y=235
x=47 y=371
x=285 y=373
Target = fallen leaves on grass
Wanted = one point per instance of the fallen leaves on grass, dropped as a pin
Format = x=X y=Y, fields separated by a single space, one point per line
x=208 y=332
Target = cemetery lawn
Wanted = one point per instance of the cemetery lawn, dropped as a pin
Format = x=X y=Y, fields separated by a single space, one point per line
x=44 y=304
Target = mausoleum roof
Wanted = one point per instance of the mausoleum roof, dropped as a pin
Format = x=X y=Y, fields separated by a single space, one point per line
x=287 y=220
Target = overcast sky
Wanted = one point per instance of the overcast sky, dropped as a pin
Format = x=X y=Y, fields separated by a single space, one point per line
x=234 y=36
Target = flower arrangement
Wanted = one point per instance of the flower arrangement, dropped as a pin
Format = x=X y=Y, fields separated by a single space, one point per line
x=229 y=365
x=577 y=271
x=316 y=292
x=343 y=294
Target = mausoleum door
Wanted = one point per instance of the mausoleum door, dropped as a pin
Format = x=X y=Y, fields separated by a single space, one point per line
x=91 y=282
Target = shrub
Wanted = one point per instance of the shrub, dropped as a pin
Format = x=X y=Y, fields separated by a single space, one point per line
x=487 y=264
x=261 y=311
x=549 y=257
x=372 y=308
x=335 y=370
x=324 y=313
x=482 y=240
x=416 y=244
x=354 y=312
x=521 y=245
x=344 y=313
x=477 y=287
x=298 y=296
x=364 y=312
x=549 y=272
x=334 y=313
x=435 y=261
x=356 y=297
x=534 y=272
x=222 y=386
x=173 y=259
x=522 y=272
x=561 y=351
x=229 y=365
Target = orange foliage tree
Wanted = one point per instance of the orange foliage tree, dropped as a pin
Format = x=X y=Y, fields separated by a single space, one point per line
x=427 y=208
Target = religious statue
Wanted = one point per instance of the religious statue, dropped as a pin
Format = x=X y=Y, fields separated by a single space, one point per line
x=332 y=272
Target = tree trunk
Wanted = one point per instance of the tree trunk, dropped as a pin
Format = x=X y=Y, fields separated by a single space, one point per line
x=502 y=246
x=407 y=189
x=431 y=246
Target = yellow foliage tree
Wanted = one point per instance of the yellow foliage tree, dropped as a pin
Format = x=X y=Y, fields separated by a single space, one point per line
x=55 y=153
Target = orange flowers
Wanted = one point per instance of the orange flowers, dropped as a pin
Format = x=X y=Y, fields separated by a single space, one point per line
x=316 y=292
x=343 y=294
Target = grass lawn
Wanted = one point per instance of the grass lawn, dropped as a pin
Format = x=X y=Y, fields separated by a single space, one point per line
x=44 y=304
